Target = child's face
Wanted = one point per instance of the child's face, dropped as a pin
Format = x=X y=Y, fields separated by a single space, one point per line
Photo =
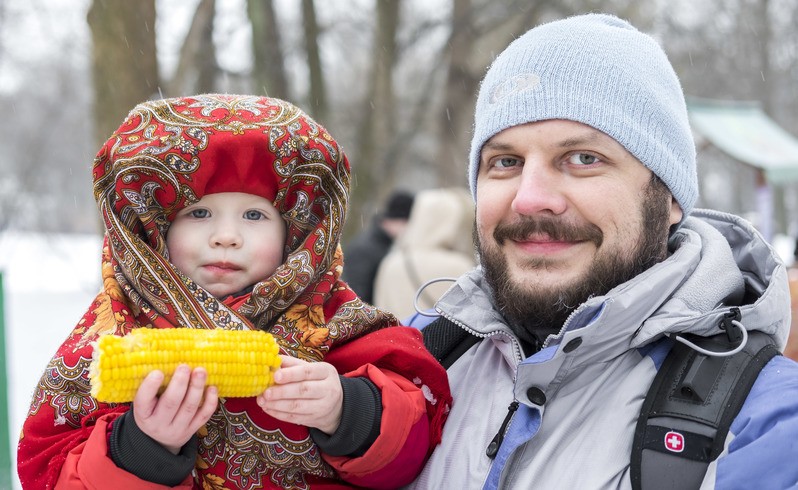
x=227 y=241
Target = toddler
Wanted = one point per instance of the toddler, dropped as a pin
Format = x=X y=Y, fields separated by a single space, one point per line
x=225 y=211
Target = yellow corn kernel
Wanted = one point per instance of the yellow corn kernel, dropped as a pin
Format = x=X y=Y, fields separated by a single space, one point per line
x=240 y=363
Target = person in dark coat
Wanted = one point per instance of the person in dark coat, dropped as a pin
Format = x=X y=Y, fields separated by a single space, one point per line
x=369 y=247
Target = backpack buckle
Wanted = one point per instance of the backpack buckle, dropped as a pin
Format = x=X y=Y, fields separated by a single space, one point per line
x=726 y=324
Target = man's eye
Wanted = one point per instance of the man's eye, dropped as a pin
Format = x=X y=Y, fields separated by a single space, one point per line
x=583 y=159
x=254 y=214
x=506 y=162
x=199 y=213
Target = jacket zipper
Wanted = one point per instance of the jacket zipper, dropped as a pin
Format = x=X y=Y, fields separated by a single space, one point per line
x=496 y=443
x=519 y=356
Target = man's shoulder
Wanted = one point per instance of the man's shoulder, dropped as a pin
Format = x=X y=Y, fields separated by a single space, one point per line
x=773 y=398
x=763 y=450
x=778 y=378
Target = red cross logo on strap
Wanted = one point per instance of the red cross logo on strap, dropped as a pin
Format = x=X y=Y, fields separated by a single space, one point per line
x=674 y=442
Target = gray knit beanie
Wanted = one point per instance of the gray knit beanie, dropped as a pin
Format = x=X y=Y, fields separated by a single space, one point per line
x=598 y=70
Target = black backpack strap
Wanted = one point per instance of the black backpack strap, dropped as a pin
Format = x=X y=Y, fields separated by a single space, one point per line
x=689 y=408
x=447 y=341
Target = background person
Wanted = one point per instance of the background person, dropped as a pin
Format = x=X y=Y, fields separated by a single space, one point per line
x=437 y=243
x=369 y=247
x=593 y=263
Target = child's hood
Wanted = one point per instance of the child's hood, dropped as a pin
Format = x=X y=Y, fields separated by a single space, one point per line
x=169 y=153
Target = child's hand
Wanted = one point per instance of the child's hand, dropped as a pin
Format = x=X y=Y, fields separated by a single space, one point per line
x=305 y=393
x=176 y=415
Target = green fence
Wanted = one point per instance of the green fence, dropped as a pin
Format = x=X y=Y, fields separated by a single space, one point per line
x=5 y=440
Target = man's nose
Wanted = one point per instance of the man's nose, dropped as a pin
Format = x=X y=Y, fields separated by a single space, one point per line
x=540 y=190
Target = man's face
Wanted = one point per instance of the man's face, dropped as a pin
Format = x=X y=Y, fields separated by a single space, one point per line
x=564 y=212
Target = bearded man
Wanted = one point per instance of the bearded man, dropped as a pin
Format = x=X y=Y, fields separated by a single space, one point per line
x=594 y=263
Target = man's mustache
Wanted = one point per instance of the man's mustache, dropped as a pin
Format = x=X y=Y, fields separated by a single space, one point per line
x=555 y=229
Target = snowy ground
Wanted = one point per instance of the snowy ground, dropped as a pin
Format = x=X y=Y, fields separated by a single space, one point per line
x=49 y=281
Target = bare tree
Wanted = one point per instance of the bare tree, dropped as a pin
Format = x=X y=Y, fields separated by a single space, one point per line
x=124 y=63
x=378 y=115
x=268 y=72
x=473 y=29
x=458 y=96
x=197 y=69
x=317 y=97
x=442 y=104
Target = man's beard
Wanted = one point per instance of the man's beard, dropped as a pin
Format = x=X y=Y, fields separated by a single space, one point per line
x=535 y=313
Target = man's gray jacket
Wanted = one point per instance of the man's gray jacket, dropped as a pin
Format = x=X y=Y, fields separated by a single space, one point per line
x=581 y=394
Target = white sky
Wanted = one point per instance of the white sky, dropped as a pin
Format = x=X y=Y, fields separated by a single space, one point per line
x=30 y=31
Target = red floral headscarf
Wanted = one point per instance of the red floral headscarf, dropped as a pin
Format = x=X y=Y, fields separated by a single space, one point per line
x=169 y=153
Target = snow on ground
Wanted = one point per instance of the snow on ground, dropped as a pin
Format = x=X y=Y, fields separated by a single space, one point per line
x=49 y=281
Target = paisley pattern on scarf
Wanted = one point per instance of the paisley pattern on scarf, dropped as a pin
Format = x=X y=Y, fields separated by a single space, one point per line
x=251 y=452
x=168 y=154
x=165 y=156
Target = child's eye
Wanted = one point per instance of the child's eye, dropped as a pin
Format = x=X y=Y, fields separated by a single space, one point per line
x=199 y=213
x=583 y=159
x=254 y=214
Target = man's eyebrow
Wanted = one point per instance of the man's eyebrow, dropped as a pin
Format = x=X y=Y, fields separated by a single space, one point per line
x=497 y=145
x=587 y=138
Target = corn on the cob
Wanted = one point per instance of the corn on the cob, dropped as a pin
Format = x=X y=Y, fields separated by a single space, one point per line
x=239 y=363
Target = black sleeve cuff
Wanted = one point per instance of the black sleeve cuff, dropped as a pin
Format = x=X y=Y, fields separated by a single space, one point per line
x=139 y=454
x=360 y=420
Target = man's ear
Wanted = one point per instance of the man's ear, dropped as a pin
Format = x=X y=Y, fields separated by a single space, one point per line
x=676 y=213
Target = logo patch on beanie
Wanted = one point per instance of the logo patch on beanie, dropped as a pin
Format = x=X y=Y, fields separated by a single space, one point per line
x=523 y=82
